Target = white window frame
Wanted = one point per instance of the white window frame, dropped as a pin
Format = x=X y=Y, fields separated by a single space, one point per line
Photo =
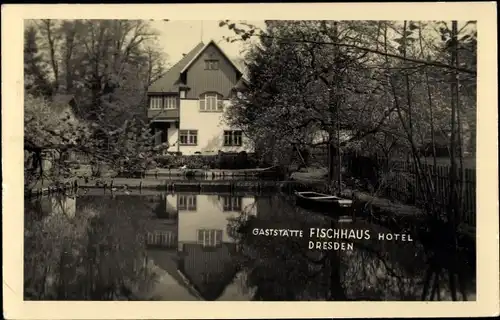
x=216 y=102
x=187 y=202
x=211 y=64
x=155 y=102
x=232 y=139
x=209 y=237
x=232 y=203
x=160 y=102
x=161 y=238
x=190 y=134
x=170 y=102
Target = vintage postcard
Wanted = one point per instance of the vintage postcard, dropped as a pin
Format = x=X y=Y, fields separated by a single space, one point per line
x=343 y=156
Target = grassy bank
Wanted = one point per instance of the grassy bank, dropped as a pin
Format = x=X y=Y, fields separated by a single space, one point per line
x=365 y=205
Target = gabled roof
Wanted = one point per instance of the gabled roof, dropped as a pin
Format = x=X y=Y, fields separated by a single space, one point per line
x=242 y=84
x=212 y=42
x=170 y=81
x=218 y=276
x=168 y=263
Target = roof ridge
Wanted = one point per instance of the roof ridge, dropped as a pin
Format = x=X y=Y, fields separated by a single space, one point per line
x=178 y=65
x=224 y=54
x=179 y=61
x=190 y=51
x=169 y=80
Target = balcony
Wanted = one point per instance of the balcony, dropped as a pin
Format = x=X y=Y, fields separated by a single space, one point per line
x=163 y=107
x=163 y=114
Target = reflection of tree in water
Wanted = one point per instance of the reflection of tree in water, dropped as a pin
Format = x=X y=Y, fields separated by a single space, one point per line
x=425 y=270
x=40 y=207
x=388 y=271
x=451 y=260
x=284 y=269
x=97 y=255
x=281 y=268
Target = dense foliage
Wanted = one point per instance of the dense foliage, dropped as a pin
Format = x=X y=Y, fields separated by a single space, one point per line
x=86 y=251
x=101 y=69
x=377 y=80
x=382 y=89
x=376 y=87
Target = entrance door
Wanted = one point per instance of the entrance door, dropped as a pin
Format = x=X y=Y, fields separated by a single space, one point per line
x=158 y=135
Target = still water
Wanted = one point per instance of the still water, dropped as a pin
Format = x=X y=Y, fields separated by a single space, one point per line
x=157 y=246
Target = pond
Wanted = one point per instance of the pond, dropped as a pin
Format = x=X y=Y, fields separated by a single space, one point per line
x=184 y=246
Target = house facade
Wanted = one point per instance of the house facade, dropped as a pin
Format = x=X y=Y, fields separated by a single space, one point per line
x=186 y=106
x=187 y=236
x=206 y=250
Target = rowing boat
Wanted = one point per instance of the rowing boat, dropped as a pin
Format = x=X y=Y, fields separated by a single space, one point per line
x=329 y=204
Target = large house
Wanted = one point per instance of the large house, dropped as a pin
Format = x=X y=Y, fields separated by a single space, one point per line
x=194 y=246
x=186 y=105
x=206 y=250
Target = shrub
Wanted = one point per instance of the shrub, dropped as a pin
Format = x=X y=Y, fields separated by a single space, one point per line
x=222 y=161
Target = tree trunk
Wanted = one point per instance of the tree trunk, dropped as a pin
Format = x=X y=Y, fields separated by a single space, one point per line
x=52 y=52
x=459 y=137
x=330 y=157
x=452 y=204
x=431 y=117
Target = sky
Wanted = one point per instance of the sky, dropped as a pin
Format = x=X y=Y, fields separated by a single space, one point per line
x=178 y=37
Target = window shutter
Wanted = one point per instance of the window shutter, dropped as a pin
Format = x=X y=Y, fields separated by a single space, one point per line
x=202 y=104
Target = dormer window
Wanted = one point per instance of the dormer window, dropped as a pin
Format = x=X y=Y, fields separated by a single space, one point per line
x=211 y=64
x=211 y=102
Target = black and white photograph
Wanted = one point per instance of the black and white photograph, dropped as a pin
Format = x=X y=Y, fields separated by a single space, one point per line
x=250 y=160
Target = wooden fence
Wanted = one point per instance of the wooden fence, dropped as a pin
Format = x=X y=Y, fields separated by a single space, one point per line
x=400 y=181
x=403 y=184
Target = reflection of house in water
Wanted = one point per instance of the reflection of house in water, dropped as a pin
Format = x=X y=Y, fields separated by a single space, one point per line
x=205 y=249
x=187 y=237
x=162 y=227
